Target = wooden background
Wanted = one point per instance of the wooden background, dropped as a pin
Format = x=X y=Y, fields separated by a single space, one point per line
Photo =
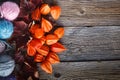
x=92 y=39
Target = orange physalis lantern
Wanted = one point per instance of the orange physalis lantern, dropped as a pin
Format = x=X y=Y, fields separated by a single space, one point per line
x=44 y=45
x=59 y=32
x=31 y=50
x=46 y=66
x=43 y=50
x=35 y=43
x=36 y=14
x=33 y=28
x=53 y=58
x=38 y=58
x=45 y=9
x=46 y=25
x=55 y=12
x=51 y=39
x=42 y=40
x=38 y=33
x=57 y=47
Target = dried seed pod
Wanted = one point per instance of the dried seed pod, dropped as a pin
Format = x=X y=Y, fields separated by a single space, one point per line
x=46 y=66
x=38 y=58
x=45 y=9
x=39 y=33
x=59 y=32
x=55 y=12
x=51 y=39
x=43 y=50
x=31 y=50
x=46 y=25
x=53 y=58
x=36 y=14
x=57 y=47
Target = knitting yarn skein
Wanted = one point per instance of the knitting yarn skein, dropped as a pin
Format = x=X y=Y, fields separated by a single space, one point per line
x=9 y=10
x=2 y=46
x=7 y=65
x=6 y=29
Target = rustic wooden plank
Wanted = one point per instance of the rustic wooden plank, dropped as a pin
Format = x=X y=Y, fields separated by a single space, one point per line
x=89 y=12
x=107 y=70
x=91 y=43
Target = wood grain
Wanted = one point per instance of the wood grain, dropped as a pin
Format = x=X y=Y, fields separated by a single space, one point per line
x=91 y=43
x=109 y=70
x=89 y=12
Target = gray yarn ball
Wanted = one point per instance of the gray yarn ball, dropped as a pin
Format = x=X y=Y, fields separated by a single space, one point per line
x=2 y=46
x=7 y=65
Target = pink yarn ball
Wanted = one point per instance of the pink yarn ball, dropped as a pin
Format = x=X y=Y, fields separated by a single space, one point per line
x=9 y=10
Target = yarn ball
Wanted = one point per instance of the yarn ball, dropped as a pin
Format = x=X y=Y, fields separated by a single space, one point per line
x=7 y=65
x=2 y=46
x=9 y=10
x=6 y=29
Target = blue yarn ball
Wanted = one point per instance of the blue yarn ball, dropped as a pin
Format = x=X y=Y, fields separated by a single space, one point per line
x=6 y=29
x=7 y=65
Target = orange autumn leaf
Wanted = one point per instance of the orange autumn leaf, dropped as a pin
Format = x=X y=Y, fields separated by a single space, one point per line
x=38 y=33
x=45 y=9
x=31 y=51
x=55 y=12
x=36 y=14
x=57 y=47
x=43 y=50
x=38 y=58
x=35 y=43
x=46 y=66
x=51 y=39
x=33 y=28
x=59 y=32
x=53 y=58
x=46 y=25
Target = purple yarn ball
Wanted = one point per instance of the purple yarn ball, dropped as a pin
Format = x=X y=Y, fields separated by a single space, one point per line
x=2 y=46
x=9 y=10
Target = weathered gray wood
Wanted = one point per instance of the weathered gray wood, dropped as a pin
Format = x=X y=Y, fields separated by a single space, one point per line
x=89 y=12
x=91 y=43
x=109 y=70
